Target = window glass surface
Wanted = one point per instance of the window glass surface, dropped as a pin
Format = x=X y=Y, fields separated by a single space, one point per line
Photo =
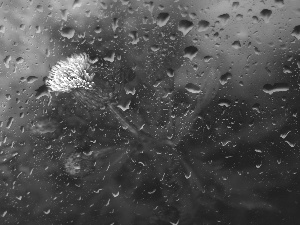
x=149 y=112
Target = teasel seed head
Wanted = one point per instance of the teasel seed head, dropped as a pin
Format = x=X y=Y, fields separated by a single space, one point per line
x=75 y=75
x=78 y=164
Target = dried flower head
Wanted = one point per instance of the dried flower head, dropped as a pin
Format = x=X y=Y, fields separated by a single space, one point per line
x=74 y=73
x=79 y=164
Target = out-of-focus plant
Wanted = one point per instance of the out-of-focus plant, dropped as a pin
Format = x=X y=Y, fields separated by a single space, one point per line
x=171 y=113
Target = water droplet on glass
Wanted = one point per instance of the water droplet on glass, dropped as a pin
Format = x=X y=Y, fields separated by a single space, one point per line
x=203 y=25
x=296 y=32
x=134 y=36
x=31 y=79
x=266 y=14
x=255 y=19
x=47 y=212
x=39 y=8
x=9 y=122
x=76 y=4
x=2 y=29
x=236 y=45
x=67 y=32
x=192 y=88
x=98 y=30
x=8 y=96
x=224 y=18
x=239 y=16
x=115 y=24
x=185 y=26
x=154 y=48
x=170 y=72
x=279 y=3
x=19 y=60
x=224 y=102
x=190 y=52
x=64 y=14
x=235 y=5
x=22 y=26
x=116 y=194
x=162 y=19
x=6 y=61
x=4 y=214
x=225 y=77
x=110 y=57
x=277 y=87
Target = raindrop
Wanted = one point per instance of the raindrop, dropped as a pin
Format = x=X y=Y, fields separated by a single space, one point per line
x=236 y=45
x=266 y=14
x=116 y=195
x=115 y=24
x=98 y=30
x=255 y=19
x=277 y=87
x=190 y=52
x=31 y=79
x=285 y=134
x=110 y=57
x=9 y=122
x=6 y=61
x=64 y=14
x=2 y=29
x=170 y=72
x=224 y=18
x=192 y=88
x=225 y=77
x=224 y=102
x=4 y=214
x=235 y=5
x=162 y=19
x=239 y=16
x=290 y=144
x=67 y=32
x=8 y=96
x=134 y=36
x=39 y=8
x=188 y=176
x=279 y=3
x=185 y=26
x=154 y=48
x=22 y=26
x=76 y=4
x=47 y=212
x=296 y=32
x=203 y=25
x=19 y=60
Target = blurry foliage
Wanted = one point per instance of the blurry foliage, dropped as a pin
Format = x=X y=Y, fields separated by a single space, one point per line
x=241 y=154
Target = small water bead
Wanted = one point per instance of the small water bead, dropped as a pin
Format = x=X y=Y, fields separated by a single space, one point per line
x=67 y=32
x=185 y=26
x=190 y=52
x=203 y=25
x=266 y=14
x=162 y=19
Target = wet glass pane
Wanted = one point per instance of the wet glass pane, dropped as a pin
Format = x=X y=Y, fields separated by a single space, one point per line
x=140 y=112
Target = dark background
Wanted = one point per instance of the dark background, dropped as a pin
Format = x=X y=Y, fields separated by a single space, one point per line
x=243 y=145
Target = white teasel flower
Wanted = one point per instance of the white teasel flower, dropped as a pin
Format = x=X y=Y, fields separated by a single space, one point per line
x=73 y=73
x=75 y=76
